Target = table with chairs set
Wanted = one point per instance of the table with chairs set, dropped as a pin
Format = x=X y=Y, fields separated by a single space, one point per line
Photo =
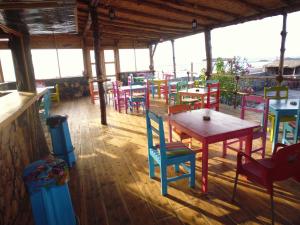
x=193 y=116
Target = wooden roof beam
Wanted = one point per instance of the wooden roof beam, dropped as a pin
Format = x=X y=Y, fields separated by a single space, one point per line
x=9 y=30
x=201 y=6
x=163 y=6
x=14 y=5
x=151 y=16
x=87 y=25
x=255 y=7
x=107 y=25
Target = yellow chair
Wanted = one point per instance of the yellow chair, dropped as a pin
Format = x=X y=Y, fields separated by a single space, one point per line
x=278 y=92
x=55 y=95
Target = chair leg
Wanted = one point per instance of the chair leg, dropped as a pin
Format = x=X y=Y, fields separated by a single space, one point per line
x=224 y=149
x=284 y=135
x=272 y=206
x=235 y=186
x=176 y=166
x=151 y=166
x=272 y=129
x=192 y=173
x=241 y=145
x=263 y=147
x=163 y=178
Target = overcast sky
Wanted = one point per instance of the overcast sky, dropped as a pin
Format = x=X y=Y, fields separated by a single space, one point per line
x=258 y=39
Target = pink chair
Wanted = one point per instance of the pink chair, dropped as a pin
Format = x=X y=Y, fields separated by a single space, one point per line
x=120 y=99
x=213 y=96
x=284 y=164
x=257 y=104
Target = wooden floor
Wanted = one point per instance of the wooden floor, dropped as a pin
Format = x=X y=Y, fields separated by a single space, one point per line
x=110 y=182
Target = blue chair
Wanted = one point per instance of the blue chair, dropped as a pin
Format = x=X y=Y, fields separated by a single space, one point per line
x=292 y=127
x=137 y=98
x=45 y=105
x=166 y=154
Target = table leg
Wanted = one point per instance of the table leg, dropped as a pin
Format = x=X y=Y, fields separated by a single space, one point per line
x=204 y=166
x=248 y=144
x=276 y=130
x=202 y=102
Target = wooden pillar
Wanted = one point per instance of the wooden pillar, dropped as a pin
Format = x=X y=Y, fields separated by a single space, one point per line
x=117 y=61
x=96 y=35
x=25 y=80
x=279 y=78
x=86 y=59
x=174 y=61
x=192 y=70
x=22 y=60
x=208 y=54
x=151 y=52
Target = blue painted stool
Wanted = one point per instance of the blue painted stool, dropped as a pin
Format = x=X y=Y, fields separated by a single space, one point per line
x=46 y=182
x=61 y=140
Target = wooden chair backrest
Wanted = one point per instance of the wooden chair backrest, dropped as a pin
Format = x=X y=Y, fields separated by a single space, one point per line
x=278 y=92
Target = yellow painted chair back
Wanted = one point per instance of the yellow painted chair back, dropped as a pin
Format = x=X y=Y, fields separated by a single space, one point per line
x=277 y=92
x=55 y=95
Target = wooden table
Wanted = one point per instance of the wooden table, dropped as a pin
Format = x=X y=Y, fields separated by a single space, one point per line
x=200 y=92
x=220 y=127
x=281 y=108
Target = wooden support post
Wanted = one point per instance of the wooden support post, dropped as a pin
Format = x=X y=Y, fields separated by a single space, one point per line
x=96 y=35
x=86 y=59
x=192 y=70
x=25 y=80
x=208 y=54
x=117 y=61
x=279 y=78
x=151 y=52
x=174 y=61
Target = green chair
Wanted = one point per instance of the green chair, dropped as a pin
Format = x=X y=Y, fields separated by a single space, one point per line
x=277 y=92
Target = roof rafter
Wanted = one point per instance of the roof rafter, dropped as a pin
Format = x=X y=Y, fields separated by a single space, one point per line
x=255 y=7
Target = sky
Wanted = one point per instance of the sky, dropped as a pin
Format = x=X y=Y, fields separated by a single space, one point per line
x=259 y=39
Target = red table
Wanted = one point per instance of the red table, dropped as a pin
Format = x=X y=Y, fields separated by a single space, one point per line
x=220 y=127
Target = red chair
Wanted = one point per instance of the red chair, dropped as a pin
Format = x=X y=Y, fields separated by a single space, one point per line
x=284 y=164
x=94 y=93
x=120 y=99
x=257 y=104
x=213 y=96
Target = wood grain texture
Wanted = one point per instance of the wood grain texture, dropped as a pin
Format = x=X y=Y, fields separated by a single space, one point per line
x=110 y=182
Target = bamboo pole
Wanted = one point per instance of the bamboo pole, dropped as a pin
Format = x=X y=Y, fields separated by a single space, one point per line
x=86 y=59
x=96 y=35
x=279 y=78
x=208 y=54
x=174 y=60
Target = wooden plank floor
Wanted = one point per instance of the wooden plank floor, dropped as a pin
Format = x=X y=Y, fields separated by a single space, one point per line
x=110 y=182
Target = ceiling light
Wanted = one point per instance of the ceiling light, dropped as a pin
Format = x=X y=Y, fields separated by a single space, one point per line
x=194 y=24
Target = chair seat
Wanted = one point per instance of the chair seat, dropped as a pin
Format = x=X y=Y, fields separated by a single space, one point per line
x=174 y=149
x=282 y=118
x=189 y=100
x=177 y=148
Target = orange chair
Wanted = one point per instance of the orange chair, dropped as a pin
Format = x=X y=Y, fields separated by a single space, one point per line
x=93 y=91
x=284 y=164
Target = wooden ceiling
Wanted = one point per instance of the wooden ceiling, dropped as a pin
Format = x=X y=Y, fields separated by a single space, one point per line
x=152 y=21
x=131 y=23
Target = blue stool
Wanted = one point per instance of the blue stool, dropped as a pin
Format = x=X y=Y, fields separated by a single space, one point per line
x=61 y=140
x=46 y=182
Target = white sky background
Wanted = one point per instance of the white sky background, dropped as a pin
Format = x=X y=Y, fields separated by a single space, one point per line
x=259 y=39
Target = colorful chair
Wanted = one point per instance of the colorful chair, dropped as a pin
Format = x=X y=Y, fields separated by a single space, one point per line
x=55 y=95
x=138 y=98
x=45 y=105
x=284 y=164
x=278 y=92
x=213 y=96
x=292 y=127
x=256 y=104
x=177 y=109
x=120 y=99
x=94 y=93
x=167 y=154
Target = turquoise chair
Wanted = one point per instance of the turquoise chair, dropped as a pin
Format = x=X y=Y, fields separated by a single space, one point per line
x=167 y=154
x=137 y=99
x=292 y=127
x=45 y=105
